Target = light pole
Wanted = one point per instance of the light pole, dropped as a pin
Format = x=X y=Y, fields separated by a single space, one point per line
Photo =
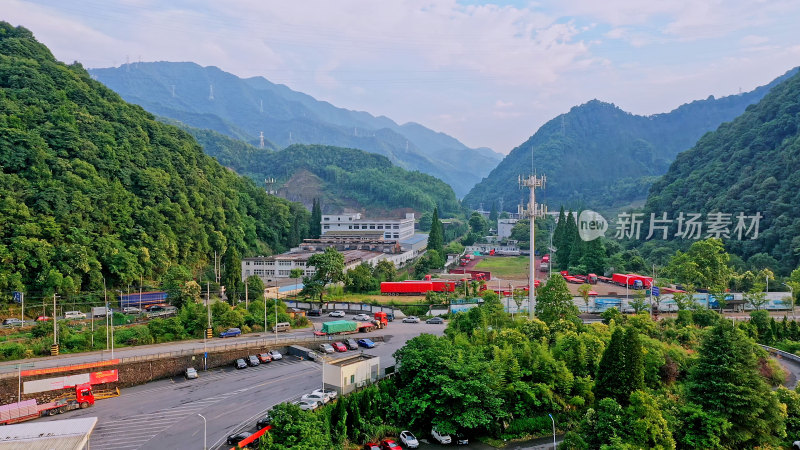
x=554 y=430
x=204 y=431
x=265 y=313
x=276 y=309
x=791 y=293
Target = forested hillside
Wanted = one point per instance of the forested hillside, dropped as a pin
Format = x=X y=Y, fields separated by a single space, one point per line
x=95 y=189
x=242 y=108
x=600 y=157
x=751 y=165
x=338 y=177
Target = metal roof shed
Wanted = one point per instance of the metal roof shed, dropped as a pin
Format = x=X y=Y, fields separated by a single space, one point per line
x=66 y=434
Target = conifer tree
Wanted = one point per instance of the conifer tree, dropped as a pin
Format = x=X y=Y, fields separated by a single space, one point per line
x=435 y=237
x=315 y=223
x=725 y=382
x=609 y=381
x=634 y=363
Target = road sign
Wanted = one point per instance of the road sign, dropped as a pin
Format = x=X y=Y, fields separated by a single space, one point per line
x=656 y=291
x=17 y=297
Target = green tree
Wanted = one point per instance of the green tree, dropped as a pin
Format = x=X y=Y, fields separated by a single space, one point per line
x=554 y=302
x=594 y=256
x=639 y=302
x=609 y=380
x=704 y=265
x=436 y=237
x=384 y=270
x=584 y=290
x=328 y=269
x=173 y=282
x=315 y=221
x=647 y=426
x=360 y=279
x=726 y=382
x=295 y=429
x=493 y=214
x=478 y=224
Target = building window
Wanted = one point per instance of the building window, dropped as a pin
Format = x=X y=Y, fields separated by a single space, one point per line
x=327 y=227
x=349 y=227
x=363 y=227
x=372 y=227
x=326 y=218
x=396 y=227
x=352 y=379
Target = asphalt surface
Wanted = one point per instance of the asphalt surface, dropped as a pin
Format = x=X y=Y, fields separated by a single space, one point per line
x=164 y=414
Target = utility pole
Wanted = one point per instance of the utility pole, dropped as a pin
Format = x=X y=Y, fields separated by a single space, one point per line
x=265 y=312
x=532 y=212
x=55 y=320
x=276 y=309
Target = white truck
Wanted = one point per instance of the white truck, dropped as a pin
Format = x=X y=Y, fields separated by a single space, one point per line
x=101 y=311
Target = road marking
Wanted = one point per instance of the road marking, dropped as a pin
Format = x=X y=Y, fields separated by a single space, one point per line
x=117 y=434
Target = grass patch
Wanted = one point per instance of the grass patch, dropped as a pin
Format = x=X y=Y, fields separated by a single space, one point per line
x=504 y=266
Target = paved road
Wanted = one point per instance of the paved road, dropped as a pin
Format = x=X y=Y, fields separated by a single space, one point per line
x=163 y=414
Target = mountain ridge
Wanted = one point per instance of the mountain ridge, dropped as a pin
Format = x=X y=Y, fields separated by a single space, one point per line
x=242 y=108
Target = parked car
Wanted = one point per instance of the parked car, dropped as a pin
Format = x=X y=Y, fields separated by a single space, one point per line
x=74 y=315
x=339 y=347
x=314 y=313
x=155 y=308
x=191 y=373
x=240 y=364
x=252 y=360
x=411 y=319
x=264 y=357
x=234 y=439
x=362 y=317
x=307 y=405
x=326 y=348
x=43 y=318
x=389 y=317
x=351 y=344
x=315 y=397
x=408 y=439
x=12 y=321
x=388 y=444
x=371 y=446
x=441 y=438
x=131 y=310
x=435 y=320
x=336 y=314
x=330 y=393
x=312 y=356
x=264 y=421
x=230 y=332
x=276 y=355
x=461 y=439
x=366 y=343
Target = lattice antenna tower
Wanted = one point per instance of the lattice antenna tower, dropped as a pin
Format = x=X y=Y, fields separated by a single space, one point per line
x=172 y=86
x=211 y=92
x=532 y=182
x=261 y=106
x=261 y=137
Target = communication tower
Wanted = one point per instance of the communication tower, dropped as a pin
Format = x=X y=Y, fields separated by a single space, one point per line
x=532 y=211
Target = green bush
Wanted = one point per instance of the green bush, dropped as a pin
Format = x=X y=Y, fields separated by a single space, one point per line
x=536 y=426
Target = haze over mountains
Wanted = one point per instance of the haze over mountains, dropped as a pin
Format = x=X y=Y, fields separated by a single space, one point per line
x=242 y=108
x=600 y=157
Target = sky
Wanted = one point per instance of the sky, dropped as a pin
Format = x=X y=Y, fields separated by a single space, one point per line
x=487 y=73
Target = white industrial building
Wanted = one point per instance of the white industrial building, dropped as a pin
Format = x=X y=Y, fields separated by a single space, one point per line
x=398 y=229
x=270 y=268
x=504 y=227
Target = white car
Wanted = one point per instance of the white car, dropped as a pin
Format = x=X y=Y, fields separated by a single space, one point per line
x=362 y=317
x=74 y=315
x=275 y=355
x=315 y=397
x=336 y=314
x=408 y=439
x=326 y=348
x=330 y=393
x=131 y=310
x=191 y=373
x=441 y=438
x=411 y=319
x=307 y=405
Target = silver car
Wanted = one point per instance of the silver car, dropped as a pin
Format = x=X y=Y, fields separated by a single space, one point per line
x=307 y=405
x=336 y=314
x=408 y=439
x=411 y=319
x=326 y=348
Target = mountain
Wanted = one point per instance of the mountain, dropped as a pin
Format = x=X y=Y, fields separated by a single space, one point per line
x=600 y=157
x=750 y=165
x=243 y=108
x=93 y=189
x=341 y=178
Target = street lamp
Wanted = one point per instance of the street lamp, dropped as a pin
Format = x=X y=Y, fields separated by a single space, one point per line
x=265 y=314
x=204 y=431
x=276 y=309
x=554 y=430
x=791 y=293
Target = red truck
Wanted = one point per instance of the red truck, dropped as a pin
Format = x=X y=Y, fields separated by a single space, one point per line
x=476 y=275
x=28 y=409
x=632 y=280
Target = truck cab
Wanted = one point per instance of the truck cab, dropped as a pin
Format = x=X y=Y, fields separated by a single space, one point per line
x=381 y=319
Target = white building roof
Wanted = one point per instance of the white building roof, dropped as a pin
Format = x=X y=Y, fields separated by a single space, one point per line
x=66 y=434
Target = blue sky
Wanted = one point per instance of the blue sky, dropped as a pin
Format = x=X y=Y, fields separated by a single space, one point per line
x=487 y=73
